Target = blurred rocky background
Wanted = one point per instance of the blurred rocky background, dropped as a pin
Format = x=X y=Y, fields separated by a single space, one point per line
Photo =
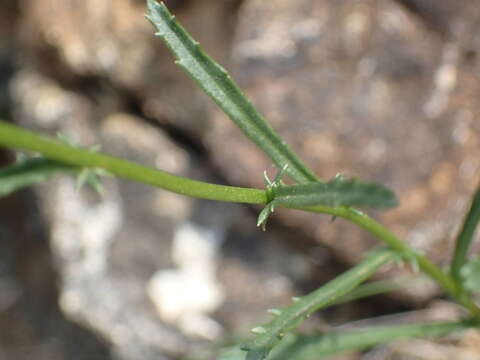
x=386 y=90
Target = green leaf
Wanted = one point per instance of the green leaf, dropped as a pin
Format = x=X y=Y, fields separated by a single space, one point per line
x=315 y=346
x=218 y=84
x=287 y=319
x=379 y=287
x=339 y=191
x=31 y=171
x=465 y=236
x=470 y=274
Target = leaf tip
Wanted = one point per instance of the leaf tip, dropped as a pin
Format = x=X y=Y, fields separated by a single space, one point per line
x=274 y=312
x=258 y=330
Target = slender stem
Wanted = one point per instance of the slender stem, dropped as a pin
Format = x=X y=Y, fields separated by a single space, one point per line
x=382 y=233
x=465 y=236
x=16 y=137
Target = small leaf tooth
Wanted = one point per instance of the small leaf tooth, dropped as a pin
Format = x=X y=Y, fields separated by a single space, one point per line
x=266 y=179
x=221 y=69
x=357 y=212
x=182 y=64
x=275 y=312
x=259 y=330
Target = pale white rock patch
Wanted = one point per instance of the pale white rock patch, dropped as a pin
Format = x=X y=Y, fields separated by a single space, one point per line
x=186 y=295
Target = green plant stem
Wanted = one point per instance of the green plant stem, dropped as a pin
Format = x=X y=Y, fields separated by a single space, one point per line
x=382 y=233
x=18 y=138
x=465 y=236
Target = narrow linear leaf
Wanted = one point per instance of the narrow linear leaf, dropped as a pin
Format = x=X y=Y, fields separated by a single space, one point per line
x=465 y=236
x=218 y=84
x=339 y=191
x=268 y=335
x=378 y=287
x=29 y=172
x=318 y=345
x=315 y=346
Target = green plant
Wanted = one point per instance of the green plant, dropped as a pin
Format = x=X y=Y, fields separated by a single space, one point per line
x=336 y=197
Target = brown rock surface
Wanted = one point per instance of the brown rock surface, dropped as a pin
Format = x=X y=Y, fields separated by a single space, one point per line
x=80 y=43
